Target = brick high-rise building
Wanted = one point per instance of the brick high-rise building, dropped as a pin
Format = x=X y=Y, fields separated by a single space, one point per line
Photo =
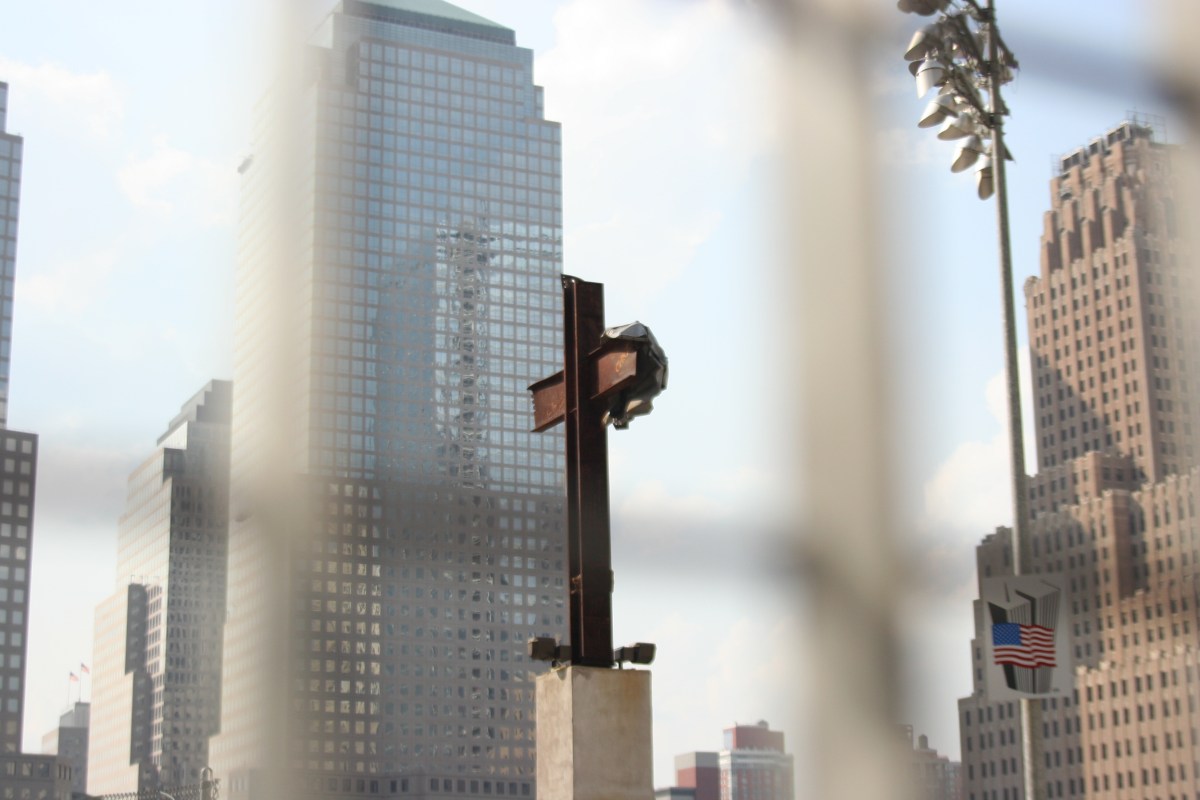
x=398 y=290
x=1112 y=322
x=1113 y=330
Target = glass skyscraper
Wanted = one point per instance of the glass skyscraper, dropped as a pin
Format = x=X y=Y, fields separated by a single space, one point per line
x=10 y=198
x=157 y=649
x=23 y=774
x=398 y=532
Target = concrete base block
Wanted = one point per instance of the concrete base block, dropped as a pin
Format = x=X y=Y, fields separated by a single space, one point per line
x=594 y=735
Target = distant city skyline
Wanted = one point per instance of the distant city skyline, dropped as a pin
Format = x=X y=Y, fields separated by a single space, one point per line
x=146 y=277
x=752 y=764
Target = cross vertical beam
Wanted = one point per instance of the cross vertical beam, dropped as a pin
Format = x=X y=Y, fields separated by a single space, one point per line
x=589 y=548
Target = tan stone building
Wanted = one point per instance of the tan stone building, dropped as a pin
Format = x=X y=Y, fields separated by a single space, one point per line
x=1113 y=338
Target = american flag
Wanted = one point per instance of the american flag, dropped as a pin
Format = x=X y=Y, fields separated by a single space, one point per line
x=1023 y=645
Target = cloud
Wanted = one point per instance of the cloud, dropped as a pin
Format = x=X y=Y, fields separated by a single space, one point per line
x=665 y=107
x=71 y=284
x=971 y=490
x=902 y=147
x=730 y=522
x=61 y=617
x=725 y=671
x=747 y=673
x=81 y=485
x=91 y=103
x=176 y=184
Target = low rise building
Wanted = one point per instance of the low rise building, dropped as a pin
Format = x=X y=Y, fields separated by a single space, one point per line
x=752 y=766
x=69 y=741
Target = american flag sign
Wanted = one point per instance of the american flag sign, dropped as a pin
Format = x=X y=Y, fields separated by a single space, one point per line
x=1026 y=646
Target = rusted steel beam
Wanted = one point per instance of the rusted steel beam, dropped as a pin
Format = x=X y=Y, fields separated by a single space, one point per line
x=588 y=530
x=549 y=402
x=615 y=368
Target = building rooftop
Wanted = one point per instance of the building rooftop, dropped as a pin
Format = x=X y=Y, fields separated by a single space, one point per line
x=435 y=15
x=436 y=8
x=1137 y=127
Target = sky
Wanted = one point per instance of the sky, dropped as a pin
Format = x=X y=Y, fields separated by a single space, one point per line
x=135 y=116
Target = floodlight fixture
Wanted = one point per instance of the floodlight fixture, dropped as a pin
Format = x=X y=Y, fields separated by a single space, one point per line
x=964 y=125
x=547 y=648
x=638 y=653
x=923 y=42
x=985 y=178
x=925 y=8
x=930 y=73
x=938 y=110
x=968 y=153
x=962 y=53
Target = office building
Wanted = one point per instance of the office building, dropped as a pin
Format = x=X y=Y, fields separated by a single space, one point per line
x=398 y=532
x=752 y=766
x=18 y=470
x=934 y=776
x=1113 y=337
x=156 y=665
x=11 y=147
x=34 y=776
x=1110 y=317
x=69 y=741
x=19 y=774
x=700 y=774
x=18 y=467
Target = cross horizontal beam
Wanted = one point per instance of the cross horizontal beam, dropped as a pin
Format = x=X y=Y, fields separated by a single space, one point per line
x=616 y=367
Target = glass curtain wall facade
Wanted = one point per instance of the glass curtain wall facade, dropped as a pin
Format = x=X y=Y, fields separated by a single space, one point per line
x=18 y=464
x=411 y=292
x=20 y=775
x=157 y=650
x=10 y=198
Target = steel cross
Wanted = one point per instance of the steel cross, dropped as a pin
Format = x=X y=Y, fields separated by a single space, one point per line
x=594 y=369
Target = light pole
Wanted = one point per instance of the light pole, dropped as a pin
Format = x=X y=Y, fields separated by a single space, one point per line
x=963 y=53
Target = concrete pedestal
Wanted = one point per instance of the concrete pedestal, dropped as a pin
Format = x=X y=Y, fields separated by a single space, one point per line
x=594 y=735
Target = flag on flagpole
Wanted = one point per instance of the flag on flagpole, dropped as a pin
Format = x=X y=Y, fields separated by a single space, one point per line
x=74 y=678
x=83 y=669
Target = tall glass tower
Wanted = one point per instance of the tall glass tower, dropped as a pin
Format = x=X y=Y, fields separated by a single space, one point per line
x=10 y=197
x=157 y=652
x=397 y=530
x=18 y=464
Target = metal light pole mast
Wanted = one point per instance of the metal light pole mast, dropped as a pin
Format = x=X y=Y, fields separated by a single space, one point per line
x=1031 y=709
x=967 y=63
